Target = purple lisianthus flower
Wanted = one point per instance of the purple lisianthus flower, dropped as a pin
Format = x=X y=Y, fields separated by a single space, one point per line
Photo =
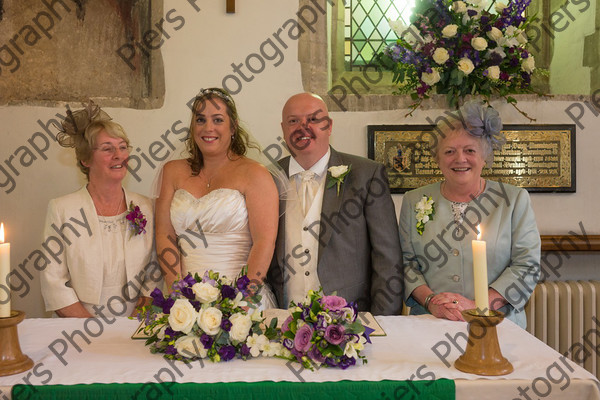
x=170 y=349
x=484 y=20
x=206 y=340
x=524 y=54
x=321 y=323
x=227 y=353
x=346 y=362
x=334 y=334
x=170 y=332
x=188 y=293
x=245 y=350
x=333 y=303
x=514 y=62
x=286 y=324
x=228 y=292
x=471 y=13
x=196 y=304
x=302 y=341
x=243 y=282
x=189 y=280
x=288 y=343
x=504 y=76
x=226 y=324
x=315 y=355
x=495 y=58
x=331 y=362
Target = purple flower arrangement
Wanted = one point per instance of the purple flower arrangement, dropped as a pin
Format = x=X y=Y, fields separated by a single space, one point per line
x=459 y=48
x=324 y=332
x=206 y=318
x=137 y=220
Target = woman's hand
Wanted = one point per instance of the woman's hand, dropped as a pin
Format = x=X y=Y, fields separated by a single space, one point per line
x=449 y=305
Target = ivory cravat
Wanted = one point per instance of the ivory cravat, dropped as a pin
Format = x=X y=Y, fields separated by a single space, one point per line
x=308 y=189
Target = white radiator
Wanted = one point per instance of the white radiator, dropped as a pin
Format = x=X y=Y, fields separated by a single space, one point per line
x=564 y=315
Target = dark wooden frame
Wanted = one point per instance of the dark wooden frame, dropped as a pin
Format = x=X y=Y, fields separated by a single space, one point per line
x=373 y=130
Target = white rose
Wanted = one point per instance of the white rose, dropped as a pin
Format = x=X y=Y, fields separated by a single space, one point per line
x=459 y=6
x=499 y=7
x=450 y=30
x=465 y=65
x=479 y=43
x=190 y=346
x=240 y=327
x=209 y=320
x=528 y=64
x=182 y=316
x=440 y=55
x=338 y=170
x=205 y=292
x=431 y=78
x=494 y=34
x=425 y=219
x=493 y=72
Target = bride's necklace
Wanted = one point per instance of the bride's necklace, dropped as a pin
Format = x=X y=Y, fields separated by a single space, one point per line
x=208 y=179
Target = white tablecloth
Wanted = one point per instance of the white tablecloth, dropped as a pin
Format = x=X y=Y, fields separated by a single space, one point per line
x=406 y=353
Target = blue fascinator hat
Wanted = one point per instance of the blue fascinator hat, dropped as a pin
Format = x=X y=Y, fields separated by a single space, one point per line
x=483 y=121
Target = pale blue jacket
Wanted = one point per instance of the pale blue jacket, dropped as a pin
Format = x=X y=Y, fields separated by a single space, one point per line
x=442 y=257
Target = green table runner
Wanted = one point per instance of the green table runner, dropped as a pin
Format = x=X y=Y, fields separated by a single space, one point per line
x=441 y=389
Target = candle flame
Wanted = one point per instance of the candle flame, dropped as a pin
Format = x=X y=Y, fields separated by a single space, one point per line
x=2 y=233
x=478 y=232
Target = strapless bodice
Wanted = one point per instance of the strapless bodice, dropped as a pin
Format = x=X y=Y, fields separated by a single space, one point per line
x=212 y=230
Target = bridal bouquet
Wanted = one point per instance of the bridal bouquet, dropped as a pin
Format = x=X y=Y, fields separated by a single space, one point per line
x=463 y=47
x=324 y=331
x=206 y=318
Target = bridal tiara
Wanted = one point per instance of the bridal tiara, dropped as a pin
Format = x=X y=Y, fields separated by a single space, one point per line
x=217 y=92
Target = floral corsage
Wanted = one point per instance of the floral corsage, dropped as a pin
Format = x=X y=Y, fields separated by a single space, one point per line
x=137 y=220
x=425 y=210
x=337 y=174
x=206 y=318
x=324 y=331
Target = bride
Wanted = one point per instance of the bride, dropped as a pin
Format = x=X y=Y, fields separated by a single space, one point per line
x=220 y=207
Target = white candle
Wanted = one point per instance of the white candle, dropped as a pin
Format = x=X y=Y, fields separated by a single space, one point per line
x=480 y=275
x=4 y=271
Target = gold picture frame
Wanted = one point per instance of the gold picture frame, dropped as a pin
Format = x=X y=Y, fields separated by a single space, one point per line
x=539 y=158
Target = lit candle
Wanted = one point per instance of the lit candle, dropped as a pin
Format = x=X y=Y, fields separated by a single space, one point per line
x=4 y=270
x=480 y=274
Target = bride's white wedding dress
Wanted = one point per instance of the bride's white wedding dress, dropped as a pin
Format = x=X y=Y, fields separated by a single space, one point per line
x=213 y=233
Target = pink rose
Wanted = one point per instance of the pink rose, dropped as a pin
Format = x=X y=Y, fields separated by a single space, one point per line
x=333 y=303
x=286 y=324
x=302 y=341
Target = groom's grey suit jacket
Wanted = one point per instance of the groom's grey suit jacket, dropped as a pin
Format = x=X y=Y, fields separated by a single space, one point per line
x=359 y=247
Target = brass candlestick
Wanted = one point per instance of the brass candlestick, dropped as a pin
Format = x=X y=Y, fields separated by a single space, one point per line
x=482 y=355
x=12 y=360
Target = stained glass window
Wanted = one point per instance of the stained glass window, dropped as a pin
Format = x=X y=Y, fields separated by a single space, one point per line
x=367 y=30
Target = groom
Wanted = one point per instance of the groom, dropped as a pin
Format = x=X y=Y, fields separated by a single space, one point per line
x=339 y=234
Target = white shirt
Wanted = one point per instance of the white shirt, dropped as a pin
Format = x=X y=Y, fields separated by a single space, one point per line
x=302 y=235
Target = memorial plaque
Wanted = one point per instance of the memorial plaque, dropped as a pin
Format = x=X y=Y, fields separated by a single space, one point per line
x=539 y=158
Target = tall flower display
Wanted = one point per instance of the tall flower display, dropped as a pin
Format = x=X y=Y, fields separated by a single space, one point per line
x=459 y=48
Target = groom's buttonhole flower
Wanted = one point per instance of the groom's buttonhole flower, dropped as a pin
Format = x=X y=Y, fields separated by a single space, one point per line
x=337 y=174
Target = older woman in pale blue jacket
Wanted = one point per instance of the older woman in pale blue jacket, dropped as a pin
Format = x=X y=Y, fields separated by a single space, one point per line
x=439 y=221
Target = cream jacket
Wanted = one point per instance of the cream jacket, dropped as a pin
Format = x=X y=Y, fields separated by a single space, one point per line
x=72 y=240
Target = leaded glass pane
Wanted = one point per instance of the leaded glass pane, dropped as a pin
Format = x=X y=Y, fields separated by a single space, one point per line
x=368 y=19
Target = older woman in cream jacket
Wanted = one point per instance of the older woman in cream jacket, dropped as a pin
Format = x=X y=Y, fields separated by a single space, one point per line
x=101 y=236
